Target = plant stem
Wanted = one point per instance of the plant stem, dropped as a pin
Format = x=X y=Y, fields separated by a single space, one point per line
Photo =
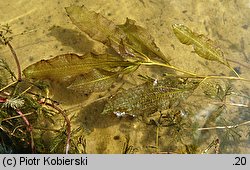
x=25 y=119
x=225 y=127
x=19 y=73
x=222 y=77
x=192 y=75
x=233 y=71
x=8 y=85
x=29 y=129
x=14 y=117
x=208 y=77
x=168 y=66
x=66 y=120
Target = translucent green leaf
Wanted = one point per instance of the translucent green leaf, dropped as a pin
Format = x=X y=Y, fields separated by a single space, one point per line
x=99 y=80
x=204 y=48
x=183 y=33
x=136 y=40
x=140 y=41
x=150 y=97
x=92 y=23
x=66 y=66
x=96 y=80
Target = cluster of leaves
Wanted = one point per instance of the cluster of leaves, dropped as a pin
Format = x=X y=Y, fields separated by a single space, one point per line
x=25 y=115
x=128 y=47
x=5 y=34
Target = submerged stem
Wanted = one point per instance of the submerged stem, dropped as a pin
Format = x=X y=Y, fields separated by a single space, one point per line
x=19 y=73
x=192 y=75
x=233 y=71
x=67 y=123
x=208 y=77
x=168 y=66
x=5 y=87
x=225 y=127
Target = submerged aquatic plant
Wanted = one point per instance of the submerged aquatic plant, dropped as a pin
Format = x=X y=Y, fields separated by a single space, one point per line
x=204 y=47
x=21 y=98
x=148 y=98
x=129 y=47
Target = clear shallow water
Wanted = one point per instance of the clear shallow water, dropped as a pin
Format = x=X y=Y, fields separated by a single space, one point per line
x=50 y=33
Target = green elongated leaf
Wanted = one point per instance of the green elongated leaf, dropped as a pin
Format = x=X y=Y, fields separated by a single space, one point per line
x=150 y=97
x=183 y=33
x=92 y=23
x=140 y=41
x=95 y=81
x=202 y=47
x=136 y=40
x=66 y=66
x=99 y=80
